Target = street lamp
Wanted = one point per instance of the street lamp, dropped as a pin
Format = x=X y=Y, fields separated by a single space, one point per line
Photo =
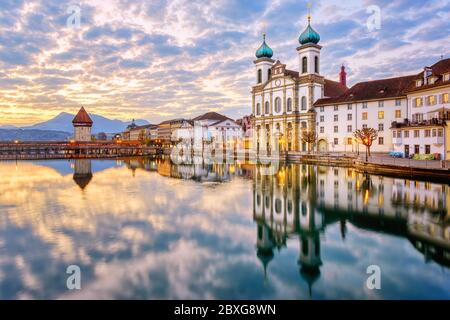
x=366 y=143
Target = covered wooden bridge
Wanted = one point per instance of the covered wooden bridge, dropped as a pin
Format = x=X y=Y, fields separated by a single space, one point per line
x=18 y=150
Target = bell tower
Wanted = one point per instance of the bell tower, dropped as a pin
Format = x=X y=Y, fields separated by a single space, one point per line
x=309 y=51
x=263 y=62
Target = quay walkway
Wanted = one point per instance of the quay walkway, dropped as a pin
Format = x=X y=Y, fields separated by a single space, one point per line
x=72 y=150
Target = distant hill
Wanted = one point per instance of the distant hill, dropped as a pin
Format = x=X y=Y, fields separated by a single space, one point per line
x=33 y=135
x=9 y=127
x=63 y=122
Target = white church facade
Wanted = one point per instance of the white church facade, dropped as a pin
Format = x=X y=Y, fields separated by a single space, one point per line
x=286 y=103
x=283 y=100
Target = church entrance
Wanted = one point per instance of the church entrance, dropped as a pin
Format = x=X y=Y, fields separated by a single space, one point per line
x=323 y=146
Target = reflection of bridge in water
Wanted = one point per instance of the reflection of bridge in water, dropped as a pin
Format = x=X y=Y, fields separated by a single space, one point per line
x=301 y=201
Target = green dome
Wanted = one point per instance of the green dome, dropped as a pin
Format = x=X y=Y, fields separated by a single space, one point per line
x=264 y=51
x=309 y=35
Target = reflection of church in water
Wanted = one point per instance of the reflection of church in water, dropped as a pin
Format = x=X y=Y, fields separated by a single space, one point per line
x=301 y=201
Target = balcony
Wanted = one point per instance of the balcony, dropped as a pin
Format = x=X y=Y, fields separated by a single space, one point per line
x=421 y=123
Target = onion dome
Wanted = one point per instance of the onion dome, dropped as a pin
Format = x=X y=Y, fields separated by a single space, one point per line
x=264 y=51
x=309 y=35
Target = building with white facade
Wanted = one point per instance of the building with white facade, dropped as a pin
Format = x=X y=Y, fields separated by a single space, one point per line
x=370 y=104
x=212 y=128
x=425 y=129
x=283 y=100
x=410 y=114
x=285 y=103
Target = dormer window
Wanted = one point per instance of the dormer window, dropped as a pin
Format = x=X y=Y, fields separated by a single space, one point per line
x=418 y=83
x=446 y=77
x=432 y=80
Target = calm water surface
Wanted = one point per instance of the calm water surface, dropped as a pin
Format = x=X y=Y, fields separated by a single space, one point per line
x=149 y=229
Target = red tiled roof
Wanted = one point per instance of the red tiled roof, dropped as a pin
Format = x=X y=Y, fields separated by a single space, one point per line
x=372 y=90
x=212 y=116
x=82 y=117
x=438 y=69
x=333 y=89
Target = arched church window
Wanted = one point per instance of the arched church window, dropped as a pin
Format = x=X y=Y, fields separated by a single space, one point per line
x=289 y=206
x=260 y=232
x=316 y=64
x=303 y=103
x=269 y=73
x=259 y=75
x=278 y=206
x=289 y=104
x=305 y=250
x=258 y=109
x=267 y=108
x=304 y=65
x=277 y=105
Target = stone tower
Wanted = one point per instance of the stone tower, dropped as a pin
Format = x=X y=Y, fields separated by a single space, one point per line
x=82 y=125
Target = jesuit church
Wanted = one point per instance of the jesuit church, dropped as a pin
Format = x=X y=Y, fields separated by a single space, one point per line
x=282 y=99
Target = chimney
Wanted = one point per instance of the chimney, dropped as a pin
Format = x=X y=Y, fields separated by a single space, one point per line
x=343 y=76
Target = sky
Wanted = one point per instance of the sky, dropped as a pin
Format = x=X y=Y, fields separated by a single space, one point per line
x=162 y=59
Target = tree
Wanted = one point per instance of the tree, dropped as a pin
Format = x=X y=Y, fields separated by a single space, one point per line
x=366 y=136
x=309 y=137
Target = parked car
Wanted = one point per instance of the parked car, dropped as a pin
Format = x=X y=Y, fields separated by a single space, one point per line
x=396 y=154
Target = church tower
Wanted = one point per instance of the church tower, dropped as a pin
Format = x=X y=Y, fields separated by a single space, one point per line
x=263 y=62
x=82 y=125
x=309 y=51
x=311 y=87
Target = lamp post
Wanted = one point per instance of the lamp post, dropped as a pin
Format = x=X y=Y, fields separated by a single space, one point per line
x=366 y=143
